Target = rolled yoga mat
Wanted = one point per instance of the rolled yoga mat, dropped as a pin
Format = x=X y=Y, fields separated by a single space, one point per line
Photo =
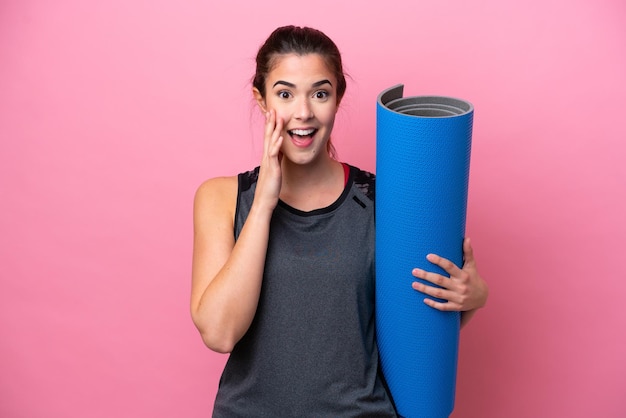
x=422 y=170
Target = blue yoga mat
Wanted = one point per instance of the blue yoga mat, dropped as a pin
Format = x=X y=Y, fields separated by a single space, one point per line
x=422 y=170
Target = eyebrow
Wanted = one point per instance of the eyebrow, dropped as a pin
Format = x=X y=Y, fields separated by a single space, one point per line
x=291 y=85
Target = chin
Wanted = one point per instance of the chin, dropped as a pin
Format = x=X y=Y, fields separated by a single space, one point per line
x=303 y=158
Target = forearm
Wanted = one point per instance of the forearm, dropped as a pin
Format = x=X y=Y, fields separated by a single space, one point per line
x=227 y=306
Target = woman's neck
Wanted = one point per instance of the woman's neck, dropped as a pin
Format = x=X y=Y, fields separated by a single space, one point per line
x=312 y=186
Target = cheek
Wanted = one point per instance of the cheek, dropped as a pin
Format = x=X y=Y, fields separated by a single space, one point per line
x=280 y=113
x=328 y=118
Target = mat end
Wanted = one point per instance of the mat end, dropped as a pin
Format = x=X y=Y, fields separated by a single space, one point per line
x=392 y=93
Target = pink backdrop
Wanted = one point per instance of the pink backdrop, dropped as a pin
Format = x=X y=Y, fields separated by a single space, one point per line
x=112 y=113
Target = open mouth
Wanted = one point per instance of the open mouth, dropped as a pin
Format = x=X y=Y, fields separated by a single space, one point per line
x=302 y=134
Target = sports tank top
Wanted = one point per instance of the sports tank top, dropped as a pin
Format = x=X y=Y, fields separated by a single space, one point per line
x=311 y=349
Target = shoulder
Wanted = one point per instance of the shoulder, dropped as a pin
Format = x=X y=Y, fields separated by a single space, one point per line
x=216 y=197
x=364 y=181
x=217 y=187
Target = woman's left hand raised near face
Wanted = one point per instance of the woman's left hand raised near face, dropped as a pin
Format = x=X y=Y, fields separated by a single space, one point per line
x=464 y=290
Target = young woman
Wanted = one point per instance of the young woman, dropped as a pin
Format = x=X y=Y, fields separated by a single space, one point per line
x=283 y=261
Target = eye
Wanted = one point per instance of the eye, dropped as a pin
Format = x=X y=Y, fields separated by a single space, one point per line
x=321 y=94
x=283 y=94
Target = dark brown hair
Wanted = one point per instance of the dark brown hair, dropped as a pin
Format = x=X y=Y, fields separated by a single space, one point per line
x=300 y=41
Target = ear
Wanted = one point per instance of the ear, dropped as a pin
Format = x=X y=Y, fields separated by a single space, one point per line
x=259 y=99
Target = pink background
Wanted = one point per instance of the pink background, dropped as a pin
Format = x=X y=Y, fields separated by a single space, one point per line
x=112 y=113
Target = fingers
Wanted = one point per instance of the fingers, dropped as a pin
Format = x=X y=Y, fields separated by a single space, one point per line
x=464 y=290
x=449 y=298
x=449 y=267
x=431 y=277
x=277 y=138
x=270 y=177
x=273 y=130
x=452 y=290
x=448 y=288
x=445 y=307
x=452 y=269
x=468 y=253
x=269 y=128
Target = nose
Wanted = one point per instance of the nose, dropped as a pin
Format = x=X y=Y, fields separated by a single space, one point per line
x=304 y=111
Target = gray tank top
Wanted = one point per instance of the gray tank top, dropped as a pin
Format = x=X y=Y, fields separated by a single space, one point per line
x=311 y=349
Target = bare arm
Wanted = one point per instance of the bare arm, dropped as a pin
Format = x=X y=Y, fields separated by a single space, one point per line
x=226 y=278
x=227 y=275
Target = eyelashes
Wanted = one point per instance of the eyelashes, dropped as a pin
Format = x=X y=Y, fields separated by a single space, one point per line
x=321 y=95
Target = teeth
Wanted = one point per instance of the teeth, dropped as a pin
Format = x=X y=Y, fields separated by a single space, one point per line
x=302 y=132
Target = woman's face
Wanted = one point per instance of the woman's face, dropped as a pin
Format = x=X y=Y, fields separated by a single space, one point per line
x=303 y=92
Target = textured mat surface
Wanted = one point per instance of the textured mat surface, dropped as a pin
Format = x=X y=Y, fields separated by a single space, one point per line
x=422 y=169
